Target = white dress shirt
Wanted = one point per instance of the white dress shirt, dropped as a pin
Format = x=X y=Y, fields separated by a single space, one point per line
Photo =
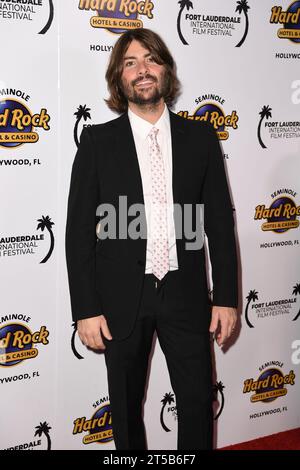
x=141 y=129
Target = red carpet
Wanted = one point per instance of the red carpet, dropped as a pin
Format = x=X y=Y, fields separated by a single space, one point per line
x=288 y=440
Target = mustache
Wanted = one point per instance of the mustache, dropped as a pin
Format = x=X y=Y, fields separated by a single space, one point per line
x=145 y=77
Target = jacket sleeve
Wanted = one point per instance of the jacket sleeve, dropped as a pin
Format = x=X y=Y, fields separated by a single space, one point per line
x=219 y=226
x=81 y=231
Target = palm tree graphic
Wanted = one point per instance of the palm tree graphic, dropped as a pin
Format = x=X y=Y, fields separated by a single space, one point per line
x=45 y=222
x=252 y=296
x=44 y=428
x=296 y=291
x=50 y=19
x=242 y=6
x=219 y=387
x=183 y=4
x=82 y=112
x=73 y=341
x=264 y=113
x=168 y=399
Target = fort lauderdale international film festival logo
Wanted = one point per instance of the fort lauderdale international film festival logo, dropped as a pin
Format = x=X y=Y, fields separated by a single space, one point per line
x=18 y=342
x=210 y=109
x=44 y=429
x=98 y=427
x=218 y=390
x=271 y=383
x=18 y=124
x=259 y=309
x=29 y=244
x=74 y=342
x=168 y=412
x=118 y=16
x=82 y=114
x=223 y=24
x=42 y=432
x=28 y=11
x=290 y=21
x=275 y=130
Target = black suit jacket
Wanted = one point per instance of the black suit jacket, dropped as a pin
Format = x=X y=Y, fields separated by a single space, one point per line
x=106 y=276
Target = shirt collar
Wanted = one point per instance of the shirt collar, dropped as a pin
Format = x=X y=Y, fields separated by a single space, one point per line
x=141 y=127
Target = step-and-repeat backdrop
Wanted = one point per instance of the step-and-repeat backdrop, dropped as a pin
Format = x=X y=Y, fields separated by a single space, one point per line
x=238 y=62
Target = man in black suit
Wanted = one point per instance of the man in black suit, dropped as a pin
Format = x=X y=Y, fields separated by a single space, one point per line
x=124 y=288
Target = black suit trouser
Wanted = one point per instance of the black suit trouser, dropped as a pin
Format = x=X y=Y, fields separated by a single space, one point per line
x=188 y=356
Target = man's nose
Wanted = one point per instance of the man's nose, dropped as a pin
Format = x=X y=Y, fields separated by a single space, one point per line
x=143 y=68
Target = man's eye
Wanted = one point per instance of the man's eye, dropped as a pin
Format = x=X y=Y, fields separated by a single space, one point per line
x=129 y=63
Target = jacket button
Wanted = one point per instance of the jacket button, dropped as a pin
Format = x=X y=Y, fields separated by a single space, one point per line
x=141 y=263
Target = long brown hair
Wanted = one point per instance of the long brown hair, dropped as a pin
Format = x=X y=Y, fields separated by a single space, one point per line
x=160 y=53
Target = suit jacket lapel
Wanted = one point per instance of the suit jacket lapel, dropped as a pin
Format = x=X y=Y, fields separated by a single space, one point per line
x=128 y=160
x=178 y=148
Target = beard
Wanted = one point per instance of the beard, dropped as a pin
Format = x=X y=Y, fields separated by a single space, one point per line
x=138 y=97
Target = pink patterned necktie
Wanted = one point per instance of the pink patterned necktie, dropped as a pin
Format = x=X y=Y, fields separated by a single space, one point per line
x=160 y=248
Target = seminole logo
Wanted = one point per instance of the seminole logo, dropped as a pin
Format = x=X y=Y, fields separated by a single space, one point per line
x=18 y=343
x=118 y=16
x=98 y=427
x=270 y=385
x=290 y=19
x=282 y=214
x=210 y=110
x=18 y=125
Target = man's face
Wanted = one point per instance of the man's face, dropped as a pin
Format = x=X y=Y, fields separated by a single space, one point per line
x=143 y=80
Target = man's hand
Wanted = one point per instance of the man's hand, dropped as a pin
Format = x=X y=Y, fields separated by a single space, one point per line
x=227 y=316
x=90 y=329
